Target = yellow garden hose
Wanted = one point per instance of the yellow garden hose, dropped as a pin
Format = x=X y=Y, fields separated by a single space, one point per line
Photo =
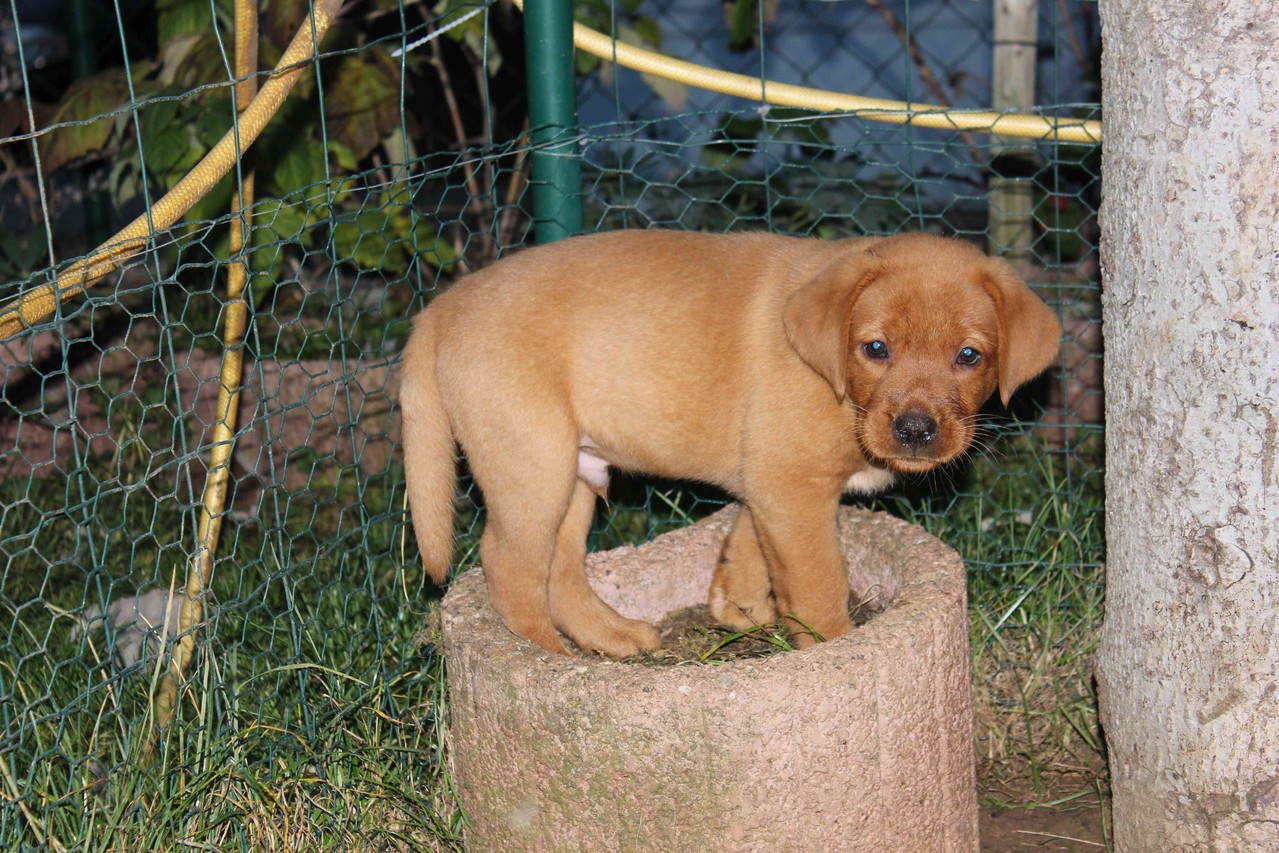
x=785 y=95
x=236 y=315
x=38 y=303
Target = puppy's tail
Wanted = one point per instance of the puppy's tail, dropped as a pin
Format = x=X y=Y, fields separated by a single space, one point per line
x=430 y=467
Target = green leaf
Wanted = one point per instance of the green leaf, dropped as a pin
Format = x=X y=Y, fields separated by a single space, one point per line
x=362 y=240
x=802 y=125
x=648 y=31
x=448 y=11
x=165 y=140
x=584 y=63
x=343 y=155
x=742 y=21
x=177 y=18
x=361 y=105
x=471 y=33
x=85 y=99
x=725 y=157
x=738 y=128
x=429 y=248
x=210 y=120
x=299 y=166
x=388 y=235
x=19 y=257
x=276 y=222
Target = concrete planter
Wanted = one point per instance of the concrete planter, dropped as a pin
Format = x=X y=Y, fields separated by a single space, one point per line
x=860 y=743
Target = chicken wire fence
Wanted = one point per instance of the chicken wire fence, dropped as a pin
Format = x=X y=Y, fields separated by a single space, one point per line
x=310 y=710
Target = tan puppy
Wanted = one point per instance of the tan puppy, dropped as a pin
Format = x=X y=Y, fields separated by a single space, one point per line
x=784 y=370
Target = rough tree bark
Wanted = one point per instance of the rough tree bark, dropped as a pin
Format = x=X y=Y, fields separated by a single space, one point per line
x=1188 y=672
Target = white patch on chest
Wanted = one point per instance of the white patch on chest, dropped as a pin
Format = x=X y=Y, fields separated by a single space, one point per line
x=869 y=480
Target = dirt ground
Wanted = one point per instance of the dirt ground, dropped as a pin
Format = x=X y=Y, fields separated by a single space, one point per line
x=1075 y=827
x=1076 y=820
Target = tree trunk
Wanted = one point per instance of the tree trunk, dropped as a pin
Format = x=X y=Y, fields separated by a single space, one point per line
x=1188 y=671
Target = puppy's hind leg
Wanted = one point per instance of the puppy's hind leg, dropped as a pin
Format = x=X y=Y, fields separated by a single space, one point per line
x=741 y=594
x=526 y=495
x=575 y=608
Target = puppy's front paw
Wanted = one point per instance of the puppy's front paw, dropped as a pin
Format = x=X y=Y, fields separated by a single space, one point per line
x=804 y=633
x=740 y=615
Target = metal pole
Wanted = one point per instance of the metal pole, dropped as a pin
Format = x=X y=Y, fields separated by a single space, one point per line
x=84 y=63
x=552 y=106
x=1012 y=189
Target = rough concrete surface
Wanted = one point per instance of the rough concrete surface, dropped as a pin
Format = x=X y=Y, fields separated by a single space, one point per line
x=860 y=743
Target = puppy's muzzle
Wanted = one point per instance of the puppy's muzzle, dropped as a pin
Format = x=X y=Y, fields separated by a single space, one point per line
x=915 y=430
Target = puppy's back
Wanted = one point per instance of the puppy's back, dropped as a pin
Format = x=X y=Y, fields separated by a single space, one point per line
x=642 y=334
x=603 y=291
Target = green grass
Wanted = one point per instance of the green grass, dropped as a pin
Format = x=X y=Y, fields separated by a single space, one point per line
x=1028 y=523
x=313 y=717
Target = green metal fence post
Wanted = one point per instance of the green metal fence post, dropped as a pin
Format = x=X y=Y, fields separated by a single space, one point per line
x=552 y=106
x=84 y=62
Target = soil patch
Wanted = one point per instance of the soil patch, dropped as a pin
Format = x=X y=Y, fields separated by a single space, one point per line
x=691 y=635
x=1080 y=826
x=1066 y=811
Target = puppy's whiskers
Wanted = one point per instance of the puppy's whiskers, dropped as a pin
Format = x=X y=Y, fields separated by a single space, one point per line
x=986 y=439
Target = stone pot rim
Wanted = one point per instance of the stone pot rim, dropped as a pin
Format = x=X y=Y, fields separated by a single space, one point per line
x=927 y=570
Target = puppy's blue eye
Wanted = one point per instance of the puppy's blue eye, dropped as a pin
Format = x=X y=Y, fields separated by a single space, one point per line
x=875 y=350
x=968 y=357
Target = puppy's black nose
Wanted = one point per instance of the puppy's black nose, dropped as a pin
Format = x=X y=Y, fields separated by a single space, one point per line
x=915 y=430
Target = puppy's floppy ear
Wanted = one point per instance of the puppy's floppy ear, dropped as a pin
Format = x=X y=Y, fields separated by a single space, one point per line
x=818 y=316
x=1029 y=334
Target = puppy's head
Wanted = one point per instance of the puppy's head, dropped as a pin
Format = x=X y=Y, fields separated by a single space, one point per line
x=917 y=332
